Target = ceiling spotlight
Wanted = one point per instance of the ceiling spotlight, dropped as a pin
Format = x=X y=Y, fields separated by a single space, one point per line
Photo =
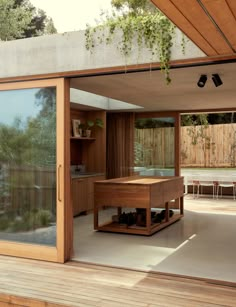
x=216 y=79
x=202 y=81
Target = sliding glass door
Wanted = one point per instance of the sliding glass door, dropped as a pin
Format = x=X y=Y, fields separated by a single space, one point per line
x=31 y=169
x=157 y=144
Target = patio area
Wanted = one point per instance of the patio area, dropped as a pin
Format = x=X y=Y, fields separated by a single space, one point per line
x=32 y=283
x=199 y=245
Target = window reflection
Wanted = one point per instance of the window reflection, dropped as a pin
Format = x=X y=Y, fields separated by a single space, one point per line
x=28 y=165
x=154 y=146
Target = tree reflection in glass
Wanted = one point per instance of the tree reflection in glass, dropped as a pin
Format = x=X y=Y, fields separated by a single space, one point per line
x=28 y=165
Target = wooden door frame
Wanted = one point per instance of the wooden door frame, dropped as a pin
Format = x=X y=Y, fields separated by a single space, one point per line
x=68 y=208
x=43 y=252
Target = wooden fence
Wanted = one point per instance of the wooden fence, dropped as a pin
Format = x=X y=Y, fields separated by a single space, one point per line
x=210 y=146
x=28 y=189
x=154 y=147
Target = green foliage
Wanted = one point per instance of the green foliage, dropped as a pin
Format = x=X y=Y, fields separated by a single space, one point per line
x=43 y=218
x=91 y=123
x=184 y=40
x=49 y=26
x=29 y=221
x=138 y=24
x=27 y=144
x=138 y=154
x=43 y=128
x=222 y=118
x=134 y=6
x=19 y=19
x=199 y=135
x=194 y=119
x=19 y=225
x=40 y=24
x=4 y=223
x=13 y=143
x=211 y=119
x=32 y=143
x=99 y=122
x=13 y=20
x=183 y=154
x=147 y=123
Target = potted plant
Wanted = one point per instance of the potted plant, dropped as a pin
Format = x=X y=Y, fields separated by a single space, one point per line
x=87 y=127
x=81 y=129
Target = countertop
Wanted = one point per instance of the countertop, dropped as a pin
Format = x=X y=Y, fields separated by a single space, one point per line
x=75 y=175
x=141 y=180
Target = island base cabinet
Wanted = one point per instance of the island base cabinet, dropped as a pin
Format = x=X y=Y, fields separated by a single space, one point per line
x=139 y=193
x=90 y=190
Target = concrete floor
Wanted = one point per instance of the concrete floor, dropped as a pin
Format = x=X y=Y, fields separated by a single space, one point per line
x=202 y=244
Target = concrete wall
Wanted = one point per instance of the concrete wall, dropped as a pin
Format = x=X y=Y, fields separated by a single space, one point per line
x=67 y=52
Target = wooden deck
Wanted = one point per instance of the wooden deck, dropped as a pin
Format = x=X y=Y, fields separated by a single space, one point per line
x=37 y=284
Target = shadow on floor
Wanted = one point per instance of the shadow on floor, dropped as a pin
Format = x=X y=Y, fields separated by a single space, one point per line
x=201 y=244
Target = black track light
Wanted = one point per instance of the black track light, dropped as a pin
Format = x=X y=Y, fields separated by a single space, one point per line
x=216 y=79
x=202 y=81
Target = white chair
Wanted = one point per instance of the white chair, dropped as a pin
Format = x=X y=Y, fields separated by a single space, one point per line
x=206 y=182
x=226 y=184
x=196 y=185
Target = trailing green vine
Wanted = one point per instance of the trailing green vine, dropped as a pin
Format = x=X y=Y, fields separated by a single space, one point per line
x=154 y=31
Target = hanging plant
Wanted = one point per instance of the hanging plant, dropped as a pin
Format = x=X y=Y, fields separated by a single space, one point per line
x=153 y=31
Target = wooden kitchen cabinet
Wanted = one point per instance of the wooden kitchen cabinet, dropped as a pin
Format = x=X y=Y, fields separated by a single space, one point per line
x=83 y=194
x=79 y=195
x=90 y=152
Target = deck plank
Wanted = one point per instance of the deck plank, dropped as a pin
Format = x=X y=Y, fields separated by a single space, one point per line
x=34 y=283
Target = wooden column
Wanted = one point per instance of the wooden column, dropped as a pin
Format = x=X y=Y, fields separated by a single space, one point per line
x=67 y=186
x=177 y=143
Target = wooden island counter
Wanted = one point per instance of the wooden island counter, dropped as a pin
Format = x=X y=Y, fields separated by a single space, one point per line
x=139 y=192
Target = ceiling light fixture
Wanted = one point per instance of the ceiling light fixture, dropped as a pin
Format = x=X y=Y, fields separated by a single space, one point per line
x=202 y=81
x=217 y=80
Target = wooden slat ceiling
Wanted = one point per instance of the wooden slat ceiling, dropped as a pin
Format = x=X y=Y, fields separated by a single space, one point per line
x=210 y=24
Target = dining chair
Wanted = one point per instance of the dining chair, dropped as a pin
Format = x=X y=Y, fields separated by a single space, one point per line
x=196 y=184
x=226 y=184
x=189 y=181
x=208 y=183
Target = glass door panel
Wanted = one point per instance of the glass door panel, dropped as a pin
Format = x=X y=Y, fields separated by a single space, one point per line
x=29 y=169
x=155 y=146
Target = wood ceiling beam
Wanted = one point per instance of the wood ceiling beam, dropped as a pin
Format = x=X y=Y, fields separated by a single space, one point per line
x=223 y=15
x=192 y=20
x=232 y=6
x=172 y=12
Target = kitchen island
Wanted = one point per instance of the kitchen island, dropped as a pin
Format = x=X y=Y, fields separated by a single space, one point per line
x=138 y=192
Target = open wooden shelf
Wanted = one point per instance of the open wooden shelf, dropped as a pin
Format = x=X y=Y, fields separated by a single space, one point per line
x=134 y=229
